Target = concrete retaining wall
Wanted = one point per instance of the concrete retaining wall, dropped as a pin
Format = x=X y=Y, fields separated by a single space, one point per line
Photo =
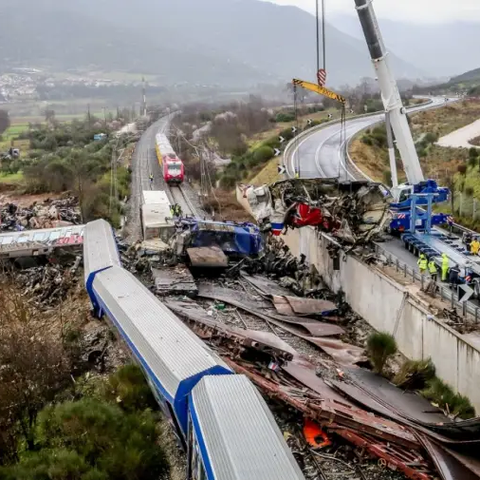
x=391 y=307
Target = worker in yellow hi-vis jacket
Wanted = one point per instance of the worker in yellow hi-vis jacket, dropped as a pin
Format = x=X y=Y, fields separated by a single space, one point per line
x=445 y=267
x=422 y=263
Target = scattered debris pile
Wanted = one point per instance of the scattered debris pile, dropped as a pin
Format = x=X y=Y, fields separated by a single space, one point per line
x=353 y=212
x=48 y=214
x=272 y=319
x=50 y=284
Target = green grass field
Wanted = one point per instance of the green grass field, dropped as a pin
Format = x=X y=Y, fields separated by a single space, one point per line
x=12 y=178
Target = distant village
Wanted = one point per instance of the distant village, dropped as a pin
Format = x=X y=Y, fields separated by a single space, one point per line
x=22 y=84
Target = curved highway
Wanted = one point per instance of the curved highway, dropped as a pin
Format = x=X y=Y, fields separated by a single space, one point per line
x=322 y=153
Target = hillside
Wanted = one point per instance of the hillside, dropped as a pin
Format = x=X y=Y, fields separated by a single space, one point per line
x=441 y=50
x=33 y=34
x=470 y=76
x=213 y=41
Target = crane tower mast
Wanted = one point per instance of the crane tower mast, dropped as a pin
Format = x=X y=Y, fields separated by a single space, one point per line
x=390 y=95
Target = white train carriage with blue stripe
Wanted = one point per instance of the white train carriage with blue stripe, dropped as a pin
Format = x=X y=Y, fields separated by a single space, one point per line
x=221 y=420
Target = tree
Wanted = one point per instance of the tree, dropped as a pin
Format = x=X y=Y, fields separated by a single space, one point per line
x=4 y=121
x=84 y=170
x=50 y=116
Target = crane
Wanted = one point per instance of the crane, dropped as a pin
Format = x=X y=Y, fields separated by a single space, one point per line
x=313 y=87
x=392 y=102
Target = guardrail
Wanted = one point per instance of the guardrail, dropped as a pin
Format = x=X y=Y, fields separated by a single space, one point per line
x=311 y=131
x=463 y=309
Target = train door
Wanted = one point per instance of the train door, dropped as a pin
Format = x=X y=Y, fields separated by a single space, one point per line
x=196 y=468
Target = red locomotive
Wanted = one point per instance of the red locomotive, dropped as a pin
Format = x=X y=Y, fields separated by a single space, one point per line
x=173 y=169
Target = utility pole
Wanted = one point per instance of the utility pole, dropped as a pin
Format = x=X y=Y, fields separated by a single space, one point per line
x=89 y=117
x=144 y=94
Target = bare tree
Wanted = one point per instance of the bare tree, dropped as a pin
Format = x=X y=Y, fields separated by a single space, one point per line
x=35 y=368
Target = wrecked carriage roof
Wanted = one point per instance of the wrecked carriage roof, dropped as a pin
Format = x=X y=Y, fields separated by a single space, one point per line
x=99 y=248
x=174 y=357
x=239 y=433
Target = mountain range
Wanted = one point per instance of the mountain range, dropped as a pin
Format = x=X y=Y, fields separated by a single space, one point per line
x=440 y=49
x=226 y=42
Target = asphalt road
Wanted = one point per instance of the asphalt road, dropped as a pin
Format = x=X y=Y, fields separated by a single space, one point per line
x=322 y=153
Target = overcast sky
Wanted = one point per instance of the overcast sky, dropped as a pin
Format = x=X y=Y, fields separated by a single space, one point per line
x=411 y=10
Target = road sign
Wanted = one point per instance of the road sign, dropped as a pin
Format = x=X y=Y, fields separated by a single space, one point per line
x=309 y=121
x=281 y=169
x=330 y=115
x=281 y=139
x=277 y=152
x=294 y=129
x=322 y=77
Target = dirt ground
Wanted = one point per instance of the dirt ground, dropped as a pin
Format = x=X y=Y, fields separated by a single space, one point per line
x=229 y=209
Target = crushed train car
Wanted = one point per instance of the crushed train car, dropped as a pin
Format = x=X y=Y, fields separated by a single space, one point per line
x=212 y=242
x=353 y=212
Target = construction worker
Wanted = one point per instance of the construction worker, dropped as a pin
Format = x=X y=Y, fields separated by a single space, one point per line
x=422 y=263
x=151 y=179
x=445 y=266
x=475 y=246
x=432 y=268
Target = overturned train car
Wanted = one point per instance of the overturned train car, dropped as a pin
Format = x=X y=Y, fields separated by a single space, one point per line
x=220 y=419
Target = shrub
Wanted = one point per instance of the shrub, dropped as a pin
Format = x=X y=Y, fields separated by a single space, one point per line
x=120 y=445
x=414 y=374
x=431 y=137
x=263 y=154
x=129 y=389
x=380 y=347
x=367 y=140
x=284 y=117
x=287 y=134
x=422 y=152
x=442 y=394
x=228 y=181
x=462 y=169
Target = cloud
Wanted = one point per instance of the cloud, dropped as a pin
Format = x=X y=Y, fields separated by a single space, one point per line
x=418 y=11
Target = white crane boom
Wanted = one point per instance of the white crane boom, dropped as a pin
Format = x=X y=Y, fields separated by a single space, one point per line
x=390 y=95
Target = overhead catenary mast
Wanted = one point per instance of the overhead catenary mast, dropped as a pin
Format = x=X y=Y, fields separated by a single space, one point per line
x=144 y=97
x=390 y=95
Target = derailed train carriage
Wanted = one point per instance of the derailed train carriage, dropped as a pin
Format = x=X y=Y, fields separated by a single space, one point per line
x=220 y=418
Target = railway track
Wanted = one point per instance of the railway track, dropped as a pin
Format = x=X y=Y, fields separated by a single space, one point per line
x=180 y=197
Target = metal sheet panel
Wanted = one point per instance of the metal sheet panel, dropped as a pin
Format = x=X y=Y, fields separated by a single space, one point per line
x=155 y=197
x=99 y=249
x=238 y=435
x=171 y=352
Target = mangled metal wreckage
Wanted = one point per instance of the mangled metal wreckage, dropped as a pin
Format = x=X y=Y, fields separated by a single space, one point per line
x=211 y=244
x=353 y=212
